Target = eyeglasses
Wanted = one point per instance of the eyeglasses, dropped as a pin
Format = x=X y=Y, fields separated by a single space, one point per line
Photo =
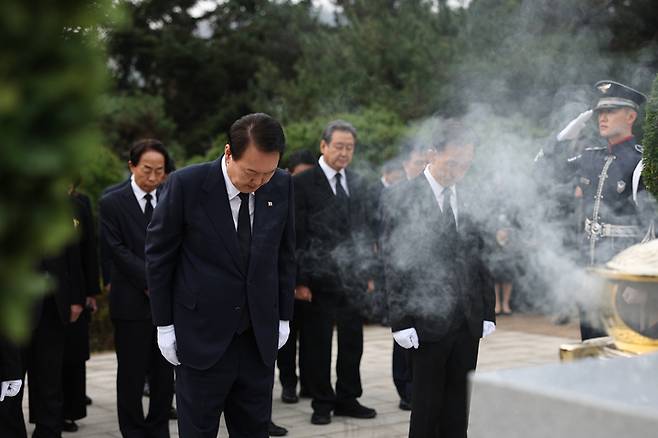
x=342 y=146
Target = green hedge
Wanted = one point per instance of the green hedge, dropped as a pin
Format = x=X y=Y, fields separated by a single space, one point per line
x=650 y=142
x=52 y=73
x=379 y=134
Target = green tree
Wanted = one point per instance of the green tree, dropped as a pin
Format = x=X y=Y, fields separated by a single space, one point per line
x=379 y=134
x=650 y=154
x=127 y=118
x=532 y=56
x=390 y=54
x=102 y=169
x=211 y=69
x=52 y=73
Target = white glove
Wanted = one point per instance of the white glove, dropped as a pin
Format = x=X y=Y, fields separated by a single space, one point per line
x=406 y=338
x=571 y=131
x=10 y=388
x=488 y=328
x=284 y=332
x=167 y=344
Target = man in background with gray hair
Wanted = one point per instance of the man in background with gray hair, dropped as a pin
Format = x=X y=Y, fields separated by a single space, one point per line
x=335 y=258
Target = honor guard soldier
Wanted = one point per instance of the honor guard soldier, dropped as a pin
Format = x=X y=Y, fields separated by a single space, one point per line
x=608 y=176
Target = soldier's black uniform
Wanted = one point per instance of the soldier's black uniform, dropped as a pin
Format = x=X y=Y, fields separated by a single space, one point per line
x=605 y=176
x=609 y=179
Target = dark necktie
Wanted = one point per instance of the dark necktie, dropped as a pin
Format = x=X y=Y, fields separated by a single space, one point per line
x=244 y=228
x=448 y=213
x=244 y=238
x=148 y=209
x=340 y=191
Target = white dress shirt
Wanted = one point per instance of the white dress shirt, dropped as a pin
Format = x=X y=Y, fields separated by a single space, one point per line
x=330 y=173
x=139 y=194
x=234 y=198
x=437 y=189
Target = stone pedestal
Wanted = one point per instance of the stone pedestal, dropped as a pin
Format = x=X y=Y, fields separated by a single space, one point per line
x=593 y=398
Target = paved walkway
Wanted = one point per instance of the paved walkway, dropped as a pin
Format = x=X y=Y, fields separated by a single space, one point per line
x=519 y=341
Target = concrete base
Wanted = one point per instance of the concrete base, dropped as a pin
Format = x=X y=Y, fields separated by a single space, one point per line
x=591 y=398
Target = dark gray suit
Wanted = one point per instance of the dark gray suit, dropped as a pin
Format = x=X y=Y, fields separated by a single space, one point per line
x=436 y=283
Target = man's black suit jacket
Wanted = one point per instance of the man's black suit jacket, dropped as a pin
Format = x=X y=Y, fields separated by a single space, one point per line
x=11 y=367
x=435 y=279
x=104 y=247
x=335 y=252
x=87 y=244
x=64 y=272
x=124 y=227
x=195 y=274
x=77 y=338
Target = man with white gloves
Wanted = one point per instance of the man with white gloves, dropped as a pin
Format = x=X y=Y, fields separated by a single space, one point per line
x=11 y=372
x=11 y=375
x=9 y=388
x=441 y=298
x=221 y=272
x=607 y=175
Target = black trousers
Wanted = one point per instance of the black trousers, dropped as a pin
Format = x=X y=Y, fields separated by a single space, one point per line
x=318 y=332
x=439 y=406
x=74 y=378
x=44 y=359
x=286 y=359
x=74 y=373
x=12 y=422
x=402 y=372
x=138 y=356
x=587 y=330
x=239 y=385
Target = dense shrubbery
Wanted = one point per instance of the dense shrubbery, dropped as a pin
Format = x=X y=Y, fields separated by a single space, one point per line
x=650 y=173
x=379 y=132
x=50 y=81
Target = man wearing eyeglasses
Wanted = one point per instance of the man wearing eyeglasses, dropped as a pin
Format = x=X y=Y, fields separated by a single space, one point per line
x=335 y=254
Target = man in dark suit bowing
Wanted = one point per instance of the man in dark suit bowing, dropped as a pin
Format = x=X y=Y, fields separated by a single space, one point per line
x=441 y=299
x=125 y=214
x=12 y=374
x=220 y=261
x=335 y=269
x=42 y=356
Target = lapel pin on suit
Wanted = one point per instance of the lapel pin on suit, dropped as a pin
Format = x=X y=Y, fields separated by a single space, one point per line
x=269 y=203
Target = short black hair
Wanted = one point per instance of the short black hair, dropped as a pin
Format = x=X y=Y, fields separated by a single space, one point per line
x=338 y=125
x=260 y=129
x=407 y=148
x=140 y=147
x=303 y=156
x=392 y=166
x=452 y=132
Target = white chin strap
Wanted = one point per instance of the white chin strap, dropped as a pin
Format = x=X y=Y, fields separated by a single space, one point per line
x=637 y=174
